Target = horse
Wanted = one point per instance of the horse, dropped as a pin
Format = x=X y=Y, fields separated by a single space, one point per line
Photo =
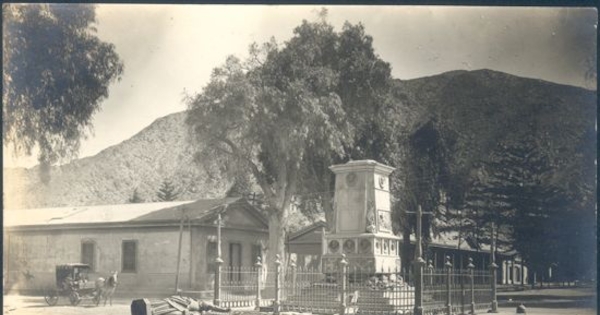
x=105 y=288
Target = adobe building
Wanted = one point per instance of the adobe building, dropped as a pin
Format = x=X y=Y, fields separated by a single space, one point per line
x=141 y=241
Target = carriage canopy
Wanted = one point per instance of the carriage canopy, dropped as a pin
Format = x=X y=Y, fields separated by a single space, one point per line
x=72 y=270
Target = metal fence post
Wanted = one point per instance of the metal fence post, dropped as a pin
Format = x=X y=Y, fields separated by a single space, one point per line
x=217 y=298
x=430 y=269
x=344 y=269
x=419 y=262
x=277 y=301
x=461 y=275
x=493 y=268
x=448 y=286
x=218 y=263
x=258 y=266
x=471 y=268
x=293 y=275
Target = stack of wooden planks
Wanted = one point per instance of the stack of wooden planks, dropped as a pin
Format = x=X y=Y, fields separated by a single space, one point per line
x=174 y=305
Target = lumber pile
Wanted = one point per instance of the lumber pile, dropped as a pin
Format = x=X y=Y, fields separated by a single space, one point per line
x=174 y=305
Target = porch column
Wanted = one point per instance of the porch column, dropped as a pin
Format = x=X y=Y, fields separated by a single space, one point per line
x=512 y=271
x=503 y=270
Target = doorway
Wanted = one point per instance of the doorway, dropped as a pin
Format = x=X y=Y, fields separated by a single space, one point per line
x=235 y=261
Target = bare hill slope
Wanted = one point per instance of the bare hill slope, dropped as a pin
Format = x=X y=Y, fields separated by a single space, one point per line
x=157 y=153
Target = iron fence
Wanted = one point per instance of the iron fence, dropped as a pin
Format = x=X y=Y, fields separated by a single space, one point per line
x=310 y=290
x=239 y=286
x=351 y=290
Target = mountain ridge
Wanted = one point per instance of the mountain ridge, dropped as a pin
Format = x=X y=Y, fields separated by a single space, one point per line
x=160 y=151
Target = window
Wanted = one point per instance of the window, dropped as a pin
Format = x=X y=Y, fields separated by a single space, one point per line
x=88 y=250
x=256 y=252
x=129 y=256
x=211 y=256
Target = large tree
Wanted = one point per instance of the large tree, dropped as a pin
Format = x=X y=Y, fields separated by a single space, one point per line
x=549 y=222
x=475 y=132
x=56 y=72
x=290 y=111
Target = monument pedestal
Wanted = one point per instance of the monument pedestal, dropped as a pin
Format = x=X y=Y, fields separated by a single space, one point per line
x=363 y=221
x=365 y=253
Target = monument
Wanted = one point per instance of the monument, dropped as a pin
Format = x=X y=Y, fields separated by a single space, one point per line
x=363 y=220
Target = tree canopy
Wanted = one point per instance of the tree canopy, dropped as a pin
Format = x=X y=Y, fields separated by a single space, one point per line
x=56 y=73
x=491 y=148
x=290 y=110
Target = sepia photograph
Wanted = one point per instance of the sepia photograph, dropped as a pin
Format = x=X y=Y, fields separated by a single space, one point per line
x=182 y=159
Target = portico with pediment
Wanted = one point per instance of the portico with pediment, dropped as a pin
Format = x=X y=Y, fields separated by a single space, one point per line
x=363 y=220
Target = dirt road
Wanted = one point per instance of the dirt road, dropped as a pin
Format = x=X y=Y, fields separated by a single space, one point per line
x=32 y=305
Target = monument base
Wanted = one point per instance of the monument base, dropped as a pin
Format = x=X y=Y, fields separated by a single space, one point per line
x=366 y=253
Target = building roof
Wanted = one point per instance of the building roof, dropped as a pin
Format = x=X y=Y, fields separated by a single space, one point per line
x=307 y=229
x=84 y=214
x=197 y=210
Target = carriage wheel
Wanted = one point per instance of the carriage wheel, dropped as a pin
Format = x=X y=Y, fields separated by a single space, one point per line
x=51 y=297
x=74 y=298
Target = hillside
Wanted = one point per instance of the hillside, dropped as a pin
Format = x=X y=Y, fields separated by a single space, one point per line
x=483 y=108
x=158 y=152
x=490 y=98
x=496 y=104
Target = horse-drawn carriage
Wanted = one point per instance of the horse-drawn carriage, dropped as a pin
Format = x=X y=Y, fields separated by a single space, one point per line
x=72 y=281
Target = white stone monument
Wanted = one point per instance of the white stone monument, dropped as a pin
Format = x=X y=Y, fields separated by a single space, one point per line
x=363 y=220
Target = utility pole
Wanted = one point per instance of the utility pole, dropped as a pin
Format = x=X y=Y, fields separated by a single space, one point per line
x=218 y=262
x=493 y=268
x=179 y=253
x=419 y=262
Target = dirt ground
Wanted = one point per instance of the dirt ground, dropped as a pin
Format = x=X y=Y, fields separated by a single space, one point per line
x=32 y=305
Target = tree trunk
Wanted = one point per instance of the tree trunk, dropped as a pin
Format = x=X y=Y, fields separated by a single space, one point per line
x=277 y=239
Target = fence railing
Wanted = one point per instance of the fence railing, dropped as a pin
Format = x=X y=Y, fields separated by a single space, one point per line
x=351 y=289
x=455 y=290
x=239 y=286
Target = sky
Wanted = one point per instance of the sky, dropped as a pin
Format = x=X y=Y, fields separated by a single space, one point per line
x=169 y=51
